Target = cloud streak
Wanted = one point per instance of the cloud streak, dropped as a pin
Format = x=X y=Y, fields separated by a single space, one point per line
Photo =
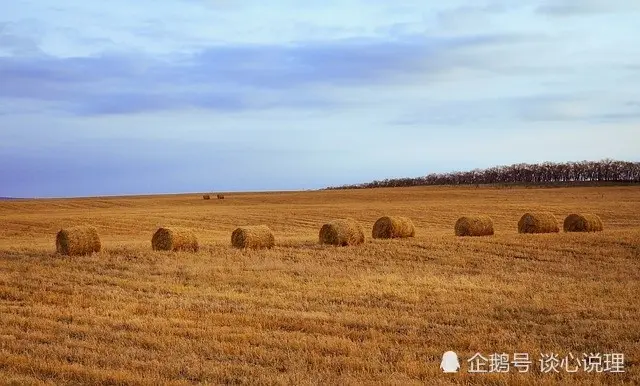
x=586 y=7
x=229 y=78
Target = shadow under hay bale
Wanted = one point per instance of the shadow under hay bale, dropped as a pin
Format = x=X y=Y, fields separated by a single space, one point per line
x=342 y=232
x=393 y=227
x=254 y=237
x=78 y=241
x=474 y=226
x=206 y=197
x=538 y=222
x=174 y=239
x=583 y=223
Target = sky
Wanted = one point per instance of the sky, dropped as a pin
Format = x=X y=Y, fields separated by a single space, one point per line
x=123 y=97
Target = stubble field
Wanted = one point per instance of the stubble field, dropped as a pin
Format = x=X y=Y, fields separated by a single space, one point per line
x=301 y=313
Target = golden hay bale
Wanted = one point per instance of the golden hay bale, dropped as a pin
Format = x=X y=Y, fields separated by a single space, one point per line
x=474 y=226
x=206 y=197
x=538 y=222
x=342 y=232
x=583 y=223
x=174 y=239
x=254 y=236
x=77 y=241
x=393 y=227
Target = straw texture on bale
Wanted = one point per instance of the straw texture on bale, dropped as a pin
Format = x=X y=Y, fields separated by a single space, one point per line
x=174 y=239
x=206 y=197
x=255 y=237
x=342 y=232
x=393 y=227
x=474 y=226
x=78 y=241
x=538 y=222
x=583 y=223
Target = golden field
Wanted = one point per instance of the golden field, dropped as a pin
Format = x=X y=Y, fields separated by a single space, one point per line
x=300 y=313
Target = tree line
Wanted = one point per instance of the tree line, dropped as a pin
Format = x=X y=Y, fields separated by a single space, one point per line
x=604 y=171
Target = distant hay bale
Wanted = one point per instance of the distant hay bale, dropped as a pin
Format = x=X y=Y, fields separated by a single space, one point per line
x=583 y=223
x=174 y=239
x=474 y=226
x=393 y=227
x=206 y=197
x=78 y=241
x=220 y=196
x=538 y=222
x=254 y=236
x=342 y=232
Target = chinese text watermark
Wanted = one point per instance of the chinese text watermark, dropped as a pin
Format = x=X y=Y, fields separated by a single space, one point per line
x=547 y=363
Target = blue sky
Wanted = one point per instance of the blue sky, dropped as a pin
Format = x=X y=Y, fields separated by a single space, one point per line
x=195 y=95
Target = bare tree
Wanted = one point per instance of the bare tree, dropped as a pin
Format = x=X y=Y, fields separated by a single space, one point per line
x=606 y=170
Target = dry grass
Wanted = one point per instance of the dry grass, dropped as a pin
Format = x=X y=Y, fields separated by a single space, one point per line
x=393 y=227
x=539 y=222
x=583 y=223
x=302 y=313
x=78 y=241
x=474 y=226
x=254 y=236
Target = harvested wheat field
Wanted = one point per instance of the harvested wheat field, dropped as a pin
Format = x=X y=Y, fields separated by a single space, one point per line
x=383 y=312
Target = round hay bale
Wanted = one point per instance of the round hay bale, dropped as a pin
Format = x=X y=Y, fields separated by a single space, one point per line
x=255 y=237
x=474 y=226
x=393 y=227
x=206 y=197
x=342 y=232
x=174 y=239
x=538 y=222
x=583 y=223
x=78 y=241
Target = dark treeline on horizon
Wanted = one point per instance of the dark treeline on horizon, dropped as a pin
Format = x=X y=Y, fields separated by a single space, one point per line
x=544 y=173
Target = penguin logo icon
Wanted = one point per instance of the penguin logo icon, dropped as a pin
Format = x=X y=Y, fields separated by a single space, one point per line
x=450 y=363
